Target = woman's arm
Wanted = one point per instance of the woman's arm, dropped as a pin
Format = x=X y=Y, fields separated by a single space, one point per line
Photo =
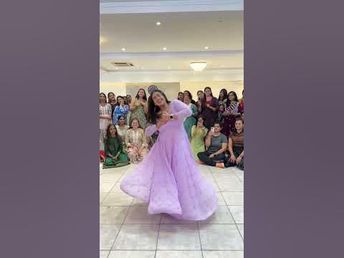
x=150 y=130
x=182 y=109
x=145 y=107
x=208 y=140
x=205 y=131
x=144 y=139
x=193 y=130
x=133 y=105
x=127 y=139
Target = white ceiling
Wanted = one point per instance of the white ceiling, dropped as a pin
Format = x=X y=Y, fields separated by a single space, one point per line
x=184 y=35
x=178 y=31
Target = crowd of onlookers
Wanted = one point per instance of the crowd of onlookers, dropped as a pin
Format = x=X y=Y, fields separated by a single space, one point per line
x=215 y=129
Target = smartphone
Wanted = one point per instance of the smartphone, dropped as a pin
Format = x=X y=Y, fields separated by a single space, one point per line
x=212 y=129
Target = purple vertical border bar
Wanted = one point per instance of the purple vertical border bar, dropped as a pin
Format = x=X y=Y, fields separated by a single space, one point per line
x=294 y=129
x=49 y=129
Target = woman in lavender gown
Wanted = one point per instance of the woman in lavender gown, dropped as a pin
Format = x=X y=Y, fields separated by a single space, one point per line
x=168 y=178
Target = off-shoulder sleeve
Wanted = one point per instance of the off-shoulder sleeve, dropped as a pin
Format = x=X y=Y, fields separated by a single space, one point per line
x=150 y=130
x=182 y=110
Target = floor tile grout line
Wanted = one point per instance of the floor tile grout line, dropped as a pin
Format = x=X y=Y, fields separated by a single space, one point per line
x=236 y=223
x=199 y=237
x=230 y=212
x=119 y=230
x=157 y=239
x=214 y=179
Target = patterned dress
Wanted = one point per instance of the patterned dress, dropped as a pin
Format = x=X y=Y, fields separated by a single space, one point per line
x=104 y=123
x=136 y=143
x=122 y=131
x=138 y=113
x=229 y=120
x=120 y=111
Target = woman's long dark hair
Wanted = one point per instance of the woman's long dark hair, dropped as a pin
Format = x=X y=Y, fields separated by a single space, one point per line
x=190 y=95
x=103 y=94
x=208 y=88
x=225 y=95
x=235 y=96
x=153 y=110
x=108 y=134
x=144 y=97
x=109 y=96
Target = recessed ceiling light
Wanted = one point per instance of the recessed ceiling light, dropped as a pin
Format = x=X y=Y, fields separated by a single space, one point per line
x=116 y=68
x=164 y=48
x=206 y=47
x=158 y=23
x=123 y=49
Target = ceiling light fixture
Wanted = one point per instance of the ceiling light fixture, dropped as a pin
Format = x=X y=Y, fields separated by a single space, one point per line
x=164 y=48
x=158 y=23
x=123 y=49
x=198 y=66
x=206 y=47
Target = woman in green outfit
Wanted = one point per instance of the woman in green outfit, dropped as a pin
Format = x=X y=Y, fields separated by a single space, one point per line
x=115 y=155
x=191 y=120
x=198 y=132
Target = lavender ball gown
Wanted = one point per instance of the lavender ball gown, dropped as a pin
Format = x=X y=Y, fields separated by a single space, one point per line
x=168 y=178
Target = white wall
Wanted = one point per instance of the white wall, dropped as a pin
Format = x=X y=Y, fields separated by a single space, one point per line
x=171 y=89
x=118 y=88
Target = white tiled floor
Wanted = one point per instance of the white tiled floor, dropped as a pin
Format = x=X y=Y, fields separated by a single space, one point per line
x=128 y=231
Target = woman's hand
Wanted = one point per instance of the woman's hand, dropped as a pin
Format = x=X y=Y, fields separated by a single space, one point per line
x=165 y=117
x=160 y=123
x=238 y=160
x=212 y=155
x=232 y=159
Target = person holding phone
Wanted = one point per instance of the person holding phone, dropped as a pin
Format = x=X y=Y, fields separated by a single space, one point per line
x=216 y=144
x=198 y=132
x=168 y=178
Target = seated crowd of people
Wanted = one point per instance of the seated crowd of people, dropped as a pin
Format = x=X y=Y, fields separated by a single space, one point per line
x=215 y=129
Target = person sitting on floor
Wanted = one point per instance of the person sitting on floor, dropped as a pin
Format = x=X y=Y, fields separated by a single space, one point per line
x=115 y=156
x=122 y=128
x=136 y=142
x=198 y=132
x=236 y=145
x=216 y=144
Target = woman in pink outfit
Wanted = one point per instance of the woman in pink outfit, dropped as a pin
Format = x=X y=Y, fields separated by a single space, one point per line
x=168 y=178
